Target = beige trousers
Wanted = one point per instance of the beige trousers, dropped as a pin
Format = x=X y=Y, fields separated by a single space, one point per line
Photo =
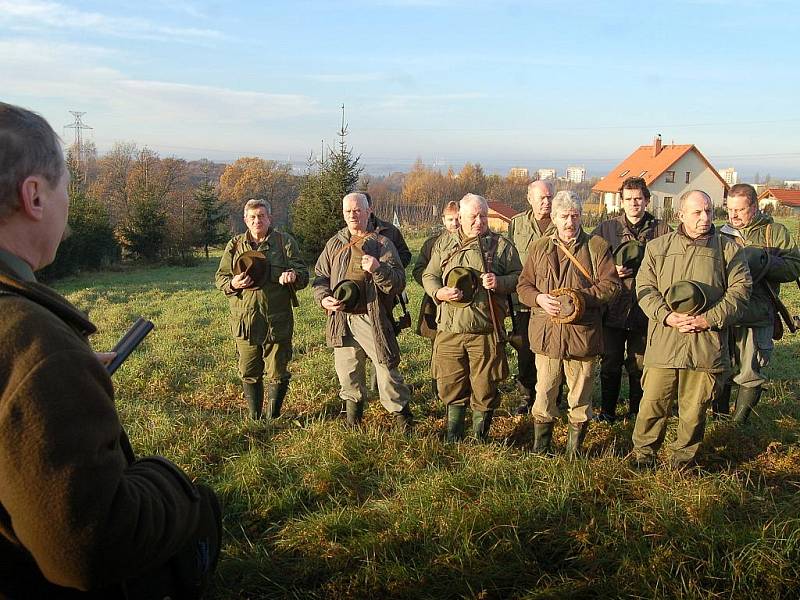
x=578 y=373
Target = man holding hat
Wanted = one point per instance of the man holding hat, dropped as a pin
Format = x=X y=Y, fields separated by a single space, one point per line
x=624 y=323
x=467 y=270
x=80 y=516
x=693 y=284
x=260 y=272
x=358 y=275
x=774 y=259
x=567 y=280
x=524 y=229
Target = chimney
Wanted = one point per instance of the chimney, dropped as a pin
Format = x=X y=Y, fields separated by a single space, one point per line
x=657 y=145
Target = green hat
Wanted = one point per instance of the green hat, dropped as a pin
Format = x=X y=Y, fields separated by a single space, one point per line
x=758 y=260
x=629 y=254
x=465 y=279
x=690 y=297
x=254 y=264
x=348 y=292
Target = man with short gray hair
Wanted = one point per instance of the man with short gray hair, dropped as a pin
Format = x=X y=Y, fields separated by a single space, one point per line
x=567 y=280
x=260 y=272
x=693 y=284
x=466 y=271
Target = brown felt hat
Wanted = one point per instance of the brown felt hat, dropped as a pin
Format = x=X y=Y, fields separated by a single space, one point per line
x=465 y=279
x=348 y=292
x=571 y=305
x=254 y=264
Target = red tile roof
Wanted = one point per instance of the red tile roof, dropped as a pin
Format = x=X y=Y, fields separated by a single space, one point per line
x=785 y=197
x=501 y=210
x=643 y=164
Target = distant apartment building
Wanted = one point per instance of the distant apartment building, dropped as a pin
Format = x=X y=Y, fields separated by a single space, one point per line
x=576 y=174
x=791 y=184
x=730 y=176
x=518 y=173
x=546 y=173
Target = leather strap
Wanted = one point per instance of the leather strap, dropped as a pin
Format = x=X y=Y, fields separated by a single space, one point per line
x=574 y=260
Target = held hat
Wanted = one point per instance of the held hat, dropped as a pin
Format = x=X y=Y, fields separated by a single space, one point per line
x=629 y=254
x=349 y=293
x=571 y=305
x=690 y=297
x=758 y=260
x=465 y=279
x=254 y=264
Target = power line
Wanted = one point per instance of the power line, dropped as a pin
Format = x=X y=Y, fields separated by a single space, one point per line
x=78 y=125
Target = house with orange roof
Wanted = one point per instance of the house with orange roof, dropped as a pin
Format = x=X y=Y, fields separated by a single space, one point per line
x=499 y=216
x=669 y=170
x=779 y=197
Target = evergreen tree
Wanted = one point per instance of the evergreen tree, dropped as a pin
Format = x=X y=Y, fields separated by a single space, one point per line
x=211 y=215
x=145 y=232
x=317 y=212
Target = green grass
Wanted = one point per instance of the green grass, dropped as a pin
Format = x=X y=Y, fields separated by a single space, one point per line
x=315 y=510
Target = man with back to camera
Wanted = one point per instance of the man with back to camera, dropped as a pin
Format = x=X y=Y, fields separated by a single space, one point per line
x=79 y=515
x=624 y=323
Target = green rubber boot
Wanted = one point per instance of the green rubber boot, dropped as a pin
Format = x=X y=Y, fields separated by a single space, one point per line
x=455 y=422
x=481 y=421
x=748 y=397
x=542 y=437
x=254 y=394
x=355 y=412
x=575 y=437
x=276 y=394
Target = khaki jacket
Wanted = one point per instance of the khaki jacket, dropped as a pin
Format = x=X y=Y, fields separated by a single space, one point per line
x=524 y=231
x=381 y=288
x=263 y=314
x=547 y=269
x=784 y=265
x=451 y=251
x=76 y=509
x=674 y=257
x=623 y=312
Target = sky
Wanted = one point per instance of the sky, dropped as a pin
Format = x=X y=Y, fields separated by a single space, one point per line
x=532 y=84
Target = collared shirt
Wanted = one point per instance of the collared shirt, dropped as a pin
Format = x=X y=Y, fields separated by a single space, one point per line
x=19 y=268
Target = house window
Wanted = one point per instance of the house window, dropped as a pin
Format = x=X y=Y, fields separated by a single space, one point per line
x=688 y=176
x=670 y=177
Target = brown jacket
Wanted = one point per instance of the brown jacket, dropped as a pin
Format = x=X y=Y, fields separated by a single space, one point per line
x=623 y=312
x=548 y=268
x=76 y=509
x=381 y=288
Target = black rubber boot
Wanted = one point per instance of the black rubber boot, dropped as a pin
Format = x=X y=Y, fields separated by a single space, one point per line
x=404 y=420
x=748 y=397
x=575 y=437
x=610 y=384
x=455 y=422
x=542 y=437
x=276 y=394
x=254 y=394
x=635 y=394
x=481 y=421
x=355 y=411
x=721 y=404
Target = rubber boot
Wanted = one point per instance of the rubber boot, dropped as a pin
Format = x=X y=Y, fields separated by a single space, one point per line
x=528 y=395
x=542 y=437
x=575 y=437
x=748 y=397
x=721 y=403
x=455 y=422
x=404 y=420
x=481 y=421
x=355 y=412
x=254 y=394
x=635 y=394
x=610 y=384
x=276 y=394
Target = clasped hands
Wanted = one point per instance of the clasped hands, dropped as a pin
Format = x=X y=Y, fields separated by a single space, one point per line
x=687 y=323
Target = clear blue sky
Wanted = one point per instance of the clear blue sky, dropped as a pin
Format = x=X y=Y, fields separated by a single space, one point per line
x=500 y=83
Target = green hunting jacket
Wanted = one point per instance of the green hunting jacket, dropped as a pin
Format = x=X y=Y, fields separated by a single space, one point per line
x=523 y=231
x=381 y=288
x=784 y=265
x=77 y=510
x=719 y=263
x=262 y=315
x=453 y=250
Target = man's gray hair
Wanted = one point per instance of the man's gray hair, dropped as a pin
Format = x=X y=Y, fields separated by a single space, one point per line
x=28 y=146
x=476 y=199
x=566 y=200
x=686 y=194
x=255 y=204
x=361 y=197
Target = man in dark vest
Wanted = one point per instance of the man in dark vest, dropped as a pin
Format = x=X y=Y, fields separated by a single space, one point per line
x=80 y=516
x=624 y=323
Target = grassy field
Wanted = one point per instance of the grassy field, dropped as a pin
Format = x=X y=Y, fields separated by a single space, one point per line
x=316 y=510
